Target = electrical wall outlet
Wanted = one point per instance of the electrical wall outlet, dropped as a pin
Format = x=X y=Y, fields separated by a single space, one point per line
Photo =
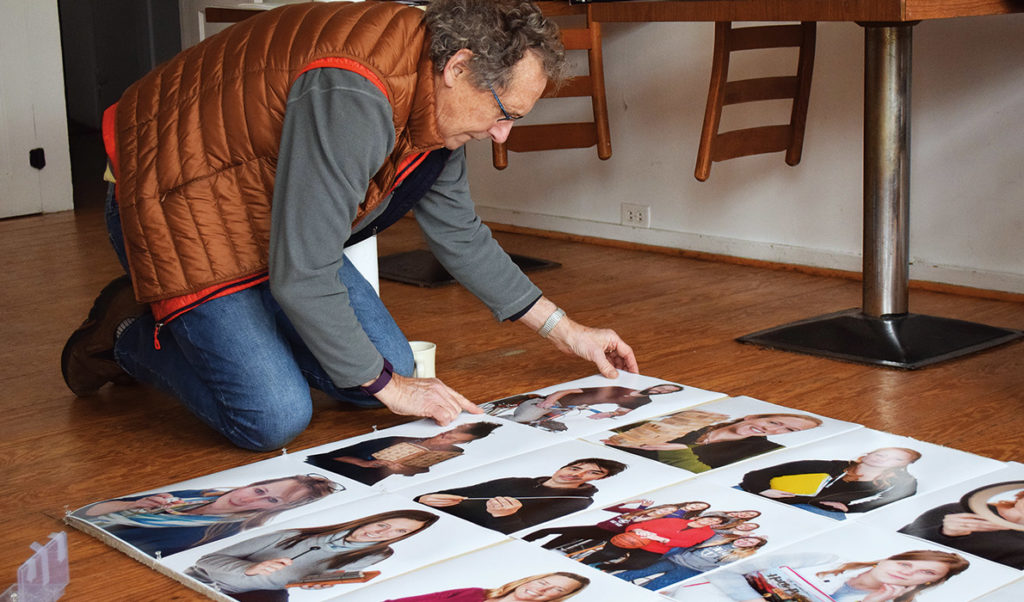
x=638 y=216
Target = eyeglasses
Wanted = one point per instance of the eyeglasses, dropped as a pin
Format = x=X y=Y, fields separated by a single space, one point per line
x=334 y=487
x=506 y=117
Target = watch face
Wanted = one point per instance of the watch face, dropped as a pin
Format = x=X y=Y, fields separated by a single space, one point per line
x=982 y=500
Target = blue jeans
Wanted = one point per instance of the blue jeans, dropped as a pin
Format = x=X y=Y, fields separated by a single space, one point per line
x=239 y=365
x=834 y=514
x=673 y=573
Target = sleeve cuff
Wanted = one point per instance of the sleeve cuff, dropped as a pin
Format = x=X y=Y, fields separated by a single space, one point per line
x=381 y=381
x=522 y=312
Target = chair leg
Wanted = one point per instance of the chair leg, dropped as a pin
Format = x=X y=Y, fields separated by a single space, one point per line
x=499 y=154
x=552 y=136
x=713 y=111
x=597 y=97
x=798 y=120
x=714 y=146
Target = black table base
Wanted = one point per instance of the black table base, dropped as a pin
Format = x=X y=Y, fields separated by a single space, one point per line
x=901 y=341
x=419 y=267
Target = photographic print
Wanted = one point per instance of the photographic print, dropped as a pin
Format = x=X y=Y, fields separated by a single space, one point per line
x=530 y=489
x=406 y=454
x=851 y=563
x=330 y=553
x=168 y=520
x=675 y=533
x=855 y=473
x=592 y=404
x=508 y=572
x=983 y=516
x=720 y=433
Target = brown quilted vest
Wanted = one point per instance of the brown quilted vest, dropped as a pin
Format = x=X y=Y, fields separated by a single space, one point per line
x=196 y=140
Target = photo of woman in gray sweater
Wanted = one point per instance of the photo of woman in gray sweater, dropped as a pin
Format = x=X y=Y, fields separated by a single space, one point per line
x=263 y=567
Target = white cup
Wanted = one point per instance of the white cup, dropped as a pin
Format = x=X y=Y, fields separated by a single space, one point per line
x=423 y=353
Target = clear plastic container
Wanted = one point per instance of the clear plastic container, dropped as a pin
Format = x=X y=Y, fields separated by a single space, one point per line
x=43 y=577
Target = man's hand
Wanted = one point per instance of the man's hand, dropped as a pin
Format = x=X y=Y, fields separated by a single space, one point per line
x=503 y=506
x=427 y=397
x=599 y=345
x=267 y=566
x=440 y=500
x=357 y=461
x=644 y=502
x=965 y=523
x=887 y=592
x=552 y=400
x=151 y=502
x=776 y=493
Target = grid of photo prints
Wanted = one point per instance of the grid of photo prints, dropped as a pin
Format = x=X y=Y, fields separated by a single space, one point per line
x=630 y=489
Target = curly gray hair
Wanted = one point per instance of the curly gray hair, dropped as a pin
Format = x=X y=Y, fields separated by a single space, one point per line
x=498 y=33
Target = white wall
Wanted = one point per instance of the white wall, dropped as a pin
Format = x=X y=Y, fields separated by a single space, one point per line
x=32 y=113
x=967 y=177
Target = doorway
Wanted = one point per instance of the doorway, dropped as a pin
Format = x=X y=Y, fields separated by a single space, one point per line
x=107 y=46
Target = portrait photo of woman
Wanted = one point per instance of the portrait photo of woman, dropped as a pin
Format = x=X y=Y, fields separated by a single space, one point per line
x=899 y=577
x=262 y=568
x=547 y=587
x=509 y=571
x=161 y=524
x=834 y=488
x=723 y=443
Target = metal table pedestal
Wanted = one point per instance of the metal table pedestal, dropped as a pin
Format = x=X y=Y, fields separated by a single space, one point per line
x=883 y=332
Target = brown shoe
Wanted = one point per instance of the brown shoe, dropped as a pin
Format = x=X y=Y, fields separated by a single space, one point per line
x=87 y=361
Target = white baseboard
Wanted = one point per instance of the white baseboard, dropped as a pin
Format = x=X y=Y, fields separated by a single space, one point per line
x=920 y=268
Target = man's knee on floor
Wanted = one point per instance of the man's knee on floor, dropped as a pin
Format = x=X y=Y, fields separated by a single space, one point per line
x=272 y=431
x=402 y=362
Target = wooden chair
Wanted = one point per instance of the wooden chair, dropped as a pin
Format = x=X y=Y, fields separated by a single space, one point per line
x=715 y=146
x=551 y=136
x=202 y=18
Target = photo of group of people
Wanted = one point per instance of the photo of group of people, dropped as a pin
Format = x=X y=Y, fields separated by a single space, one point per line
x=674 y=533
x=652 y=490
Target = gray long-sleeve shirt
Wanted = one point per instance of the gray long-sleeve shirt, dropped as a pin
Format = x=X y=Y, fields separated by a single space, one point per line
x=226 y=568
x=338 y=130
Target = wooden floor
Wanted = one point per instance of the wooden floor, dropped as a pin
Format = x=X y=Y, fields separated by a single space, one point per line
x=681 y=316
